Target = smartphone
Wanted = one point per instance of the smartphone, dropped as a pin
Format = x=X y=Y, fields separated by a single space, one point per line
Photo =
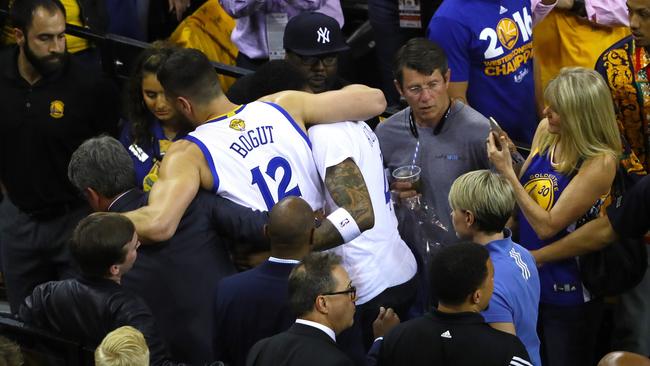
x=494 y=126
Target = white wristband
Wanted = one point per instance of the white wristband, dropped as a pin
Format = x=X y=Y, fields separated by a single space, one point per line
x=345 y=224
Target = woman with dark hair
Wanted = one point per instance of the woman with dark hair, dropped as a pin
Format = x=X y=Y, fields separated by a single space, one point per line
x=153 y=123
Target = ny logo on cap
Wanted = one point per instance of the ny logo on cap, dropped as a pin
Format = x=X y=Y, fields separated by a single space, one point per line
x=323 y=35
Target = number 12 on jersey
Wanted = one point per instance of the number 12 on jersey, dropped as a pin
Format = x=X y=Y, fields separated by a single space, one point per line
x=271 y=172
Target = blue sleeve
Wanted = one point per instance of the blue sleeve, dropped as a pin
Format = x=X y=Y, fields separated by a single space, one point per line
x=498 y=311
x=455 y=39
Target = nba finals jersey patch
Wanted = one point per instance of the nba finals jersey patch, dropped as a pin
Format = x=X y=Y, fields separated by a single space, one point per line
x=238 y=124
x=56 y=109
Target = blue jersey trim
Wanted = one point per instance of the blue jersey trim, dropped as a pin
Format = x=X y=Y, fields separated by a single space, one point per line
x=227 y=115
x=208 y=157
x=295 y=125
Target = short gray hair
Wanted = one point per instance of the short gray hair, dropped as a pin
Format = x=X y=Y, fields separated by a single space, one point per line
x=487 y=195
x=102 y=163
x=310 y=278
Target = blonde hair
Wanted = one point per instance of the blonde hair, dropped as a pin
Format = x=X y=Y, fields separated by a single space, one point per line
x=584 y=103
x=487 y=195
x=124 y=346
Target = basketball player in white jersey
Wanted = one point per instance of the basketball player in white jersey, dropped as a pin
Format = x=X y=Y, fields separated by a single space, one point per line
x=255 y=155
x=380 y=264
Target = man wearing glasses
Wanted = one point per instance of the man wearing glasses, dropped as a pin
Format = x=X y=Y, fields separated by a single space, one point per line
x=322 y=297
x=312 y=42
x=444 y=137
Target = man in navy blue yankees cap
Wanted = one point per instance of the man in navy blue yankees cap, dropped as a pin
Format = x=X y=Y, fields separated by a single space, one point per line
x=312 y=42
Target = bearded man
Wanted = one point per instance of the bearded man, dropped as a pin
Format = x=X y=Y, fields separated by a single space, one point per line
x=50 y=104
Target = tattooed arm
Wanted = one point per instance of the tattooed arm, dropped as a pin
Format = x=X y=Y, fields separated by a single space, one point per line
x=348 y=190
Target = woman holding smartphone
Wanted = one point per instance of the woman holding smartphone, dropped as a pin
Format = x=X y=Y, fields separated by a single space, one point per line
x=573 y=161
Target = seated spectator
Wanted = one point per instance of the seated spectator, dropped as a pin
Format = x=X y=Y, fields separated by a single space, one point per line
x=482 y=203
x=322 y=296
x=258 y=25
x=85 y=309
x=314 y=52
x=188 y=266
x=153 y=123
x=125 y=346
x=454 y=334
x=253 y=305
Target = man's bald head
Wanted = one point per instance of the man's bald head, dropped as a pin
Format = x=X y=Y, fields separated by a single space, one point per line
x=291 y=223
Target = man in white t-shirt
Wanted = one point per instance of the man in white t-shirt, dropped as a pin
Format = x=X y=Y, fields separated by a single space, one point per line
x=380 y=264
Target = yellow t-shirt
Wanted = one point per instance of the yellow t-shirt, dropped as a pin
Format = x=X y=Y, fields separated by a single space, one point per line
x=563 y=39
x=73 y=16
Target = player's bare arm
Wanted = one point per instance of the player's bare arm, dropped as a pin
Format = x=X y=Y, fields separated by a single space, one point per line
x=348 y=190
x=182 y=173
x=353 y=103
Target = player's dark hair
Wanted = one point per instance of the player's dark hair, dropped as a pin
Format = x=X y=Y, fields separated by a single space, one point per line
x=188 y=73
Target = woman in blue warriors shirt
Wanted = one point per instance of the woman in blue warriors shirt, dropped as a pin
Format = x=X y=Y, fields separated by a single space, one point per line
x=570 y=170
x=153 y=123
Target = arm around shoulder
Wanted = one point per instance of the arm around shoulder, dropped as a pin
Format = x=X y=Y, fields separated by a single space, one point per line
x=352 y=103
x=178 y=182
x=347 y=187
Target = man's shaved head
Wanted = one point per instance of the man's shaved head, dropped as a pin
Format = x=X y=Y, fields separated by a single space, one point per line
x=291 y=223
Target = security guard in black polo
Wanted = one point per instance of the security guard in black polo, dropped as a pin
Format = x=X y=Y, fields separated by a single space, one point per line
x=49 y=105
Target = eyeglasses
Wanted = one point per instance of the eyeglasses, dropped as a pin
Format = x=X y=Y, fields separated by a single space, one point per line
x=327 y=60
x=416 y=90
x=352 y=291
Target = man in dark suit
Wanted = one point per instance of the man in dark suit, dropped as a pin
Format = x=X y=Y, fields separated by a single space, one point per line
x=174 y=276
x=253 y=305
x=455 y=334
x=322 y=297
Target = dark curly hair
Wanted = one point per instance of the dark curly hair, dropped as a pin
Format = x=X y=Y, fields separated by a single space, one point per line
x=148 y=62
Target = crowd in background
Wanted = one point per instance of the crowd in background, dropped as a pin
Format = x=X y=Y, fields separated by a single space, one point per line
x=185 y=217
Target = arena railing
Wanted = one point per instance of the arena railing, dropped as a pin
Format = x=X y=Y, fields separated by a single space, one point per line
x=118 y=53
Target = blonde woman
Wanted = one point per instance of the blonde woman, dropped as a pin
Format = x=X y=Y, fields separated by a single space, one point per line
x=572 y=165
x=124 y=346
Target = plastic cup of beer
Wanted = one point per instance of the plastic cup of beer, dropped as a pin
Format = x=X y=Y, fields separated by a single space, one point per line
x=409 y=174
